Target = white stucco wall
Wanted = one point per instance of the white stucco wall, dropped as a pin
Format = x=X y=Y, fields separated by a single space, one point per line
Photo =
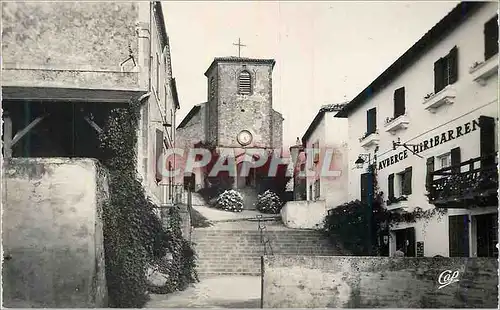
x=472 y=100
x=331 y=133
x=304 y=214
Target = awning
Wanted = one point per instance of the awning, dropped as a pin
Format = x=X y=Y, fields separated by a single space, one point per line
x=59 y=94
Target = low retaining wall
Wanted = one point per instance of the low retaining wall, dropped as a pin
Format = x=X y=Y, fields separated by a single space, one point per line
x=53 y=233
x=304 y=214
x=379 y=282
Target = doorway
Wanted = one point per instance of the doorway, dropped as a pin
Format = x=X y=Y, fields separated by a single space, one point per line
x=487 y=234
x=459 y=235
x=405 y=241
x=189 y=182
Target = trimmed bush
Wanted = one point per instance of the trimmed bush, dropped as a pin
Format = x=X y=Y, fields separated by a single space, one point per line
x=230 y=200
x=269 y=202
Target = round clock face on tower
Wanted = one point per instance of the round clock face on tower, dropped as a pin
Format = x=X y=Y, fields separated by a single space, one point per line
x=244 y=137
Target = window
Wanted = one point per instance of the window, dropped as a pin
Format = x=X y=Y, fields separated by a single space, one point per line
x=404 y=181
x=316 y=189
x=491 y=38
x=165 y=98
x=399 y=102
x=245 y=83
x=157 y=75
x=316 y=152
x=212 y=88
x=444 y=161
x=371 y=121
x=446 y=70
x=171 y=182
x=159 y=153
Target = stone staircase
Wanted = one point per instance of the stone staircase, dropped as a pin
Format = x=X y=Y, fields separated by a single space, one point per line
x=235 y=248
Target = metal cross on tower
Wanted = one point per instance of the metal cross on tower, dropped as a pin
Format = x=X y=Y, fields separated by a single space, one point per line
x=239 y=47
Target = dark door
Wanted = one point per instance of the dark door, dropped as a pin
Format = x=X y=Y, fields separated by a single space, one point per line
x=487 y=235
x=405 y=241
x=366 y=187
x=459 y=236
x=384 y=243
x=189 y=182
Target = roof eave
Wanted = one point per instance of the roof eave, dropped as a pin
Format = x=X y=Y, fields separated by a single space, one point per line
x=446 y=25
x=236 y=59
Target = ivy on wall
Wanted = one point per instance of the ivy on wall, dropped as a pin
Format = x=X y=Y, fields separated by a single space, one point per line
x=133 y=233
x=357 y=225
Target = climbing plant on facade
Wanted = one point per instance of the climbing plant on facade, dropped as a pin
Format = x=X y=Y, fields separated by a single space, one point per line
x=357 y=225
x=134 y=235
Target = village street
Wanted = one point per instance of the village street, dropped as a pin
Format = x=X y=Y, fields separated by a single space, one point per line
x=218 y=292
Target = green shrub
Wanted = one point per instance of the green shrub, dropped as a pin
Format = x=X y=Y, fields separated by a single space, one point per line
x=269 y=202
x=230 y=200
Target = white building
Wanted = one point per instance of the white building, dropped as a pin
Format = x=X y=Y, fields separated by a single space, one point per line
x=440 y=98
x=327 y=136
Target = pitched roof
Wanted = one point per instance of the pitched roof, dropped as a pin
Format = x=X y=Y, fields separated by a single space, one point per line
x=160 y=23
x=239 y=59
x=444 y=27
x=336 y=107
x=194 y=110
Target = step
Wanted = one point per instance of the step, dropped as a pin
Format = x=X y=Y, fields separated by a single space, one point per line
x=205 y=275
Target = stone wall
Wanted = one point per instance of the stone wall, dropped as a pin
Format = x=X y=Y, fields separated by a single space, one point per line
x=193 y=131
x=69 y=44
x=240 y=112
x=277 y=129
x=305 y=214
x=379 y=282
x=53 y=232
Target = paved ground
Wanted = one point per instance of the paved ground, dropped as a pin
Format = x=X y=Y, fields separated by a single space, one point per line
x=217 y=292
x=215 y=215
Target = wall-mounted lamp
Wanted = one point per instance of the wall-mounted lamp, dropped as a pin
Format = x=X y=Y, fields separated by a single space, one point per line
x=362 y=159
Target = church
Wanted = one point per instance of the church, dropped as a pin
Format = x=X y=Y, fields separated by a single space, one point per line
x=238 y=115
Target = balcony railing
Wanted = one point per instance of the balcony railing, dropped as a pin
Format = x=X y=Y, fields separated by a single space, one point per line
x=472 y=183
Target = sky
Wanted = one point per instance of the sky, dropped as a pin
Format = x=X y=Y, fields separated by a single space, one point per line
x=325 y=52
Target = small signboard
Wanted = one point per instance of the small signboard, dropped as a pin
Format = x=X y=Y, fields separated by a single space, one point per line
x=420 y=249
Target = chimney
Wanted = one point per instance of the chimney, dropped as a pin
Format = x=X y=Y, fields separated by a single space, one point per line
x=295 y=150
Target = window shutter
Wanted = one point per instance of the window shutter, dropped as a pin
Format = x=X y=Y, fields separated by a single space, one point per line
x=364 y=187
x=407 y=181
x=438 y=75
x=455 y=160
x=245 y=83
x=399 y=102
x=368 y=121
x=487 y=139
x=430 y=169
x=371 y=120
x=159 y=153
x=390 y=182
x=453 y=63
x=491 y=38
